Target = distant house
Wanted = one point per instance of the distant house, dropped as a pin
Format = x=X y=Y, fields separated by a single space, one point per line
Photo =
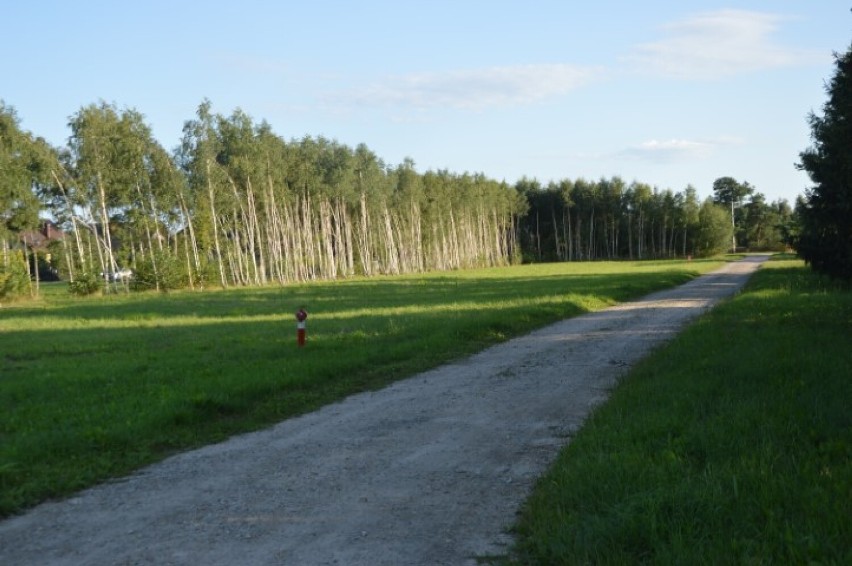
x=39 y=239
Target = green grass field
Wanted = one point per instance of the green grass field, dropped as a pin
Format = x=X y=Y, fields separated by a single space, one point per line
x=94 y=388
x=731 y=445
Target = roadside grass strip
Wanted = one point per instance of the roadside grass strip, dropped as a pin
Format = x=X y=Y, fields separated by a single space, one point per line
x=94 y=388
x=730 y=445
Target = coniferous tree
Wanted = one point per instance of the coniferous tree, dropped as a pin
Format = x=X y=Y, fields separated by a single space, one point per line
x=730 y=193
x=825 y=239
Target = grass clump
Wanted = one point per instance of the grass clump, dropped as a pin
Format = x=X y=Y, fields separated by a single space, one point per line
x=733 y=444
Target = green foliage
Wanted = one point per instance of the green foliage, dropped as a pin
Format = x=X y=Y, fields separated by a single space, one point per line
x=121 y=179
x=728 y=190
x=206 y=275
x=714 y=230
x=237 y=205
x=22 y=167
x=57 y=263
x=161 y=271
x=766 y=226
x=14 y=277
x=93 y=388
x=758 y=225
x=608 y=219
x=85 y=284
x=731 y=445
x=825 y=238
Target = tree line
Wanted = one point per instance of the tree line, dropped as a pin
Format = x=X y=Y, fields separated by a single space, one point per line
x=579 y=219
x=236 y=204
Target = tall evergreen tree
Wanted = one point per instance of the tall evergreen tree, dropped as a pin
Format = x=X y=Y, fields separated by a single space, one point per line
x=825 y=241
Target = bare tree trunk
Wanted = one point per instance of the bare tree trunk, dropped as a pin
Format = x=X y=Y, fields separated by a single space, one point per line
x=417 y=236
x=629 y=235
x=499 y=249
x=107 y=237
x=78 y=240
x=556 y=234
x=292 y=257
x=93 y=229
x=579 y=235
x=187 y=219
x=566 y=234
x=327 y=236
x=309 y=236
x=591 y=253
x=189 y=275
x=274 y=235
x=455 y=259
x=148 y=235
x=343 y=237
x=242 y=229
x=391 y=255
x=364 y=239
x=33 y=292
x=256 y=241
x=214 y=219
x=241 y=275
x=537 y=236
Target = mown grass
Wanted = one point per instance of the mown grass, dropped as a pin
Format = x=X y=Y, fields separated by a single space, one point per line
x=731 y=445
x=92 y=389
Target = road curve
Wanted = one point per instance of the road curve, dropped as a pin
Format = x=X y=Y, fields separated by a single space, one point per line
x=430 y=470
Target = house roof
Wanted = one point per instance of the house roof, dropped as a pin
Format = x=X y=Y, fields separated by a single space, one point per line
x=47 y=232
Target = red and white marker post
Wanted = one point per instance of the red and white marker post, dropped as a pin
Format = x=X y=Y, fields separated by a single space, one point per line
x=301 y=317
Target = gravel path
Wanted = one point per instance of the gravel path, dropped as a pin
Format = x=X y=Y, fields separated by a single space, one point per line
x=430 y=470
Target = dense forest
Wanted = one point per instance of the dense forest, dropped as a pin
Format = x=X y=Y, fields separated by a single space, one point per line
x=236 y=204
x=610 y=219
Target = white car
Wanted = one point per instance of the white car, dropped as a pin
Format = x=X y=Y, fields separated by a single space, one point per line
x=120 y=275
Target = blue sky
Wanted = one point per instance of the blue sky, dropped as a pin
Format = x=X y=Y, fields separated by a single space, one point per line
x=666 y=93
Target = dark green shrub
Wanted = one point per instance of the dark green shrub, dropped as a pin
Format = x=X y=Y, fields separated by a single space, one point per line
x=86 y=284
x=163 y=272
x=14 y=277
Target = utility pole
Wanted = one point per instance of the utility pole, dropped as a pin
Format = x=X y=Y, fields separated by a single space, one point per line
x=733 y=228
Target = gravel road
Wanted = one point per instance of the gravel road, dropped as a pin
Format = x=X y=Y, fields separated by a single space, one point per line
x=430 y=470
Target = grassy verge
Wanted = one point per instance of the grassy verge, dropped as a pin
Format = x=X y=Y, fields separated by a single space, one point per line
x=730 y=445
x=93 y=388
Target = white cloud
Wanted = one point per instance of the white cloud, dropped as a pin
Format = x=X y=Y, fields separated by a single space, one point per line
x=712 y=45
x=668 y=151
x=473 y=89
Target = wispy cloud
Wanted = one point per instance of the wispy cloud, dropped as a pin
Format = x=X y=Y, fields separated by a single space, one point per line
x=475 y=89
x=669 y=151
x=717 y=44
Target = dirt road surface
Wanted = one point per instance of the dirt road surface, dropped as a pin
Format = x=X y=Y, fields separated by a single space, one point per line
x=430 y=470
